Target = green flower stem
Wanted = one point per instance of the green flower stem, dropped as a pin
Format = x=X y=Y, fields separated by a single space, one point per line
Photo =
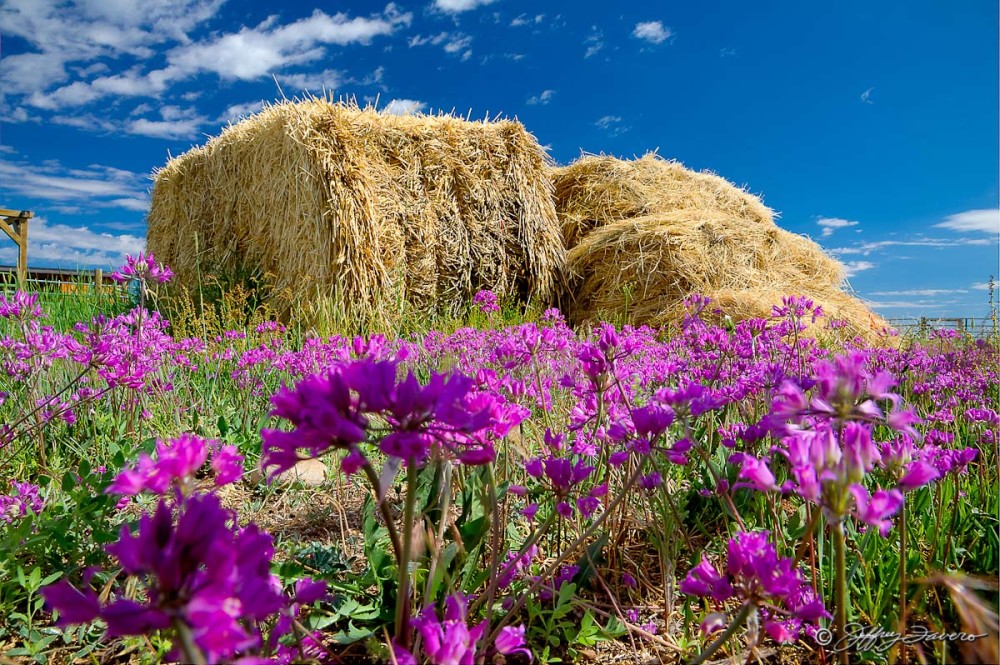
x=902 y=582
x=403 y=589
x=192 y=654
x=840 y=586
x=551 y=568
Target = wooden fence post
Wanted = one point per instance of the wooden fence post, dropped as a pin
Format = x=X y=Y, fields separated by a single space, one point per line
x=98 y=281
x=15 y=224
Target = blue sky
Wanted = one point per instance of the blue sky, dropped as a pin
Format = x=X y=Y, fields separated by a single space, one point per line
x=870 y=127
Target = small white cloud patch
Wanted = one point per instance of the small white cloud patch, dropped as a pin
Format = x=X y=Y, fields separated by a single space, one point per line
x=831 y=224
x=866 y=96
x=852 y=268
x=541 y=99
x=653 y=32
x=459 y=6
x=404 y=107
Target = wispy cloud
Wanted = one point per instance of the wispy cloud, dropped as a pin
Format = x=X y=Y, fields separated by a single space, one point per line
x=653 y=32
x=614 y=125
x=238 y=111
x=867 y=248
x=524 y=19
x=83 y=33
x=73 y=246
x=458 y=6
x=174 y=123
x=542 y=98
x=852 y=268
x=249 y=54
x=594 y=42
x=911 y=304
x=927 y=293
x=831 y=224
x=404 y=107
x=451 y=42
x=866 y=96
x=94 y=186
x=987 y=221
x=315 y=82
x=727 y=52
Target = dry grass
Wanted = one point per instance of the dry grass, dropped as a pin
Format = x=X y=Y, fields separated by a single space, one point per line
x=365 y=210
x=599 y=190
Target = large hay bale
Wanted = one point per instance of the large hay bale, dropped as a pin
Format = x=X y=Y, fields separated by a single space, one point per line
x=641 y=269
x=363 y=209
x=844 y=316
x=599 y=190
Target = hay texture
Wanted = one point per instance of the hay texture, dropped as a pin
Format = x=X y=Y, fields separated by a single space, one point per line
x=640 y=270
x=599 y=190
x=363 y=209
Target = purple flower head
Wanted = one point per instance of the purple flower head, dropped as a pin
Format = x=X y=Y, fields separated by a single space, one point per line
x=876 y=509
x=24 y=497
x=142 y=267
x=21 y=306
x=175 y=463
x=200 y=569
x=227 y=464
x=486 y=301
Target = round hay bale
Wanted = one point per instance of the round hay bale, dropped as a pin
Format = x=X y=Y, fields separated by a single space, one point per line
x=599 y=190
x=365 y=211
x=844 y=317
x=640 y=270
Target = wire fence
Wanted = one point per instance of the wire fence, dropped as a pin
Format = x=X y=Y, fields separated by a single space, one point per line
x=970 y=325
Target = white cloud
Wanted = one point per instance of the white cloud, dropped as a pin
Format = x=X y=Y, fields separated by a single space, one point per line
x=255 y=52
x=404 y=107
x=174 y=123
x=919 y=292
x=458 y=6
x=866 y=248
x=911 y=304
x=987 y=221
x=88 y=31
x=653 y=32
x=524 y=19
x=982 y=286
x=73 y=246
x=543 y=98
x=94 y=186
x=866 y=96
x=452 y=42
x=852 y=268
x=249 y=54
x=831 y=224
x=328 y=79
x=612 y=124
x=239 y=111
x=594 y=42
x=727 y=52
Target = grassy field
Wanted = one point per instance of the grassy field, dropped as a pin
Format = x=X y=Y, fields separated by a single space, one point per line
x=495 y=488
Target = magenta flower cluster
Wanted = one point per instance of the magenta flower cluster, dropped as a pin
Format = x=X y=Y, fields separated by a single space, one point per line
x=756 y=577
x=447 y=415
x=204 y=577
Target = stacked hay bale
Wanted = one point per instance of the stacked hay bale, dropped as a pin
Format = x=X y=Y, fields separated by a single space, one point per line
x=643 y=235
x=363 y=210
